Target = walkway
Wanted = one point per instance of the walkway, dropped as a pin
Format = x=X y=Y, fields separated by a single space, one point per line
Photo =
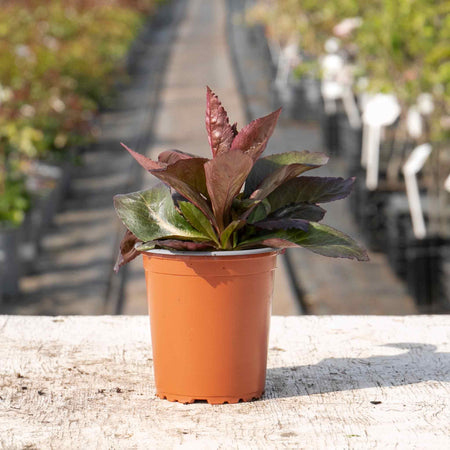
x=200 y=57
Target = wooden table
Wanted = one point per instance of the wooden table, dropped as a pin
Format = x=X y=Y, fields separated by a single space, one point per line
x=332 y=382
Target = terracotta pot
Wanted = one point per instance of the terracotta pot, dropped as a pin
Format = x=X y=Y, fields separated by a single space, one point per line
x=210 y=316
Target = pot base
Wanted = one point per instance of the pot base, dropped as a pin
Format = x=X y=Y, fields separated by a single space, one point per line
x=212 y=400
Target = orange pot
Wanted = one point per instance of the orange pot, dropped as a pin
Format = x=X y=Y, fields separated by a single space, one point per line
x=210 y=316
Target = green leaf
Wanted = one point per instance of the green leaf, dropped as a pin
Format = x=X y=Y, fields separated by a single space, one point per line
x=320 y=239
x=151 y=215
x=225 y=175
x=198 y=220
x=260 y=212
x=253 y=138
x=310 y=190
x=145 y=246
x=229 y=230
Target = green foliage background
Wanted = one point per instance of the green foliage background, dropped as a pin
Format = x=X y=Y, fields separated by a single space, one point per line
x=59 y=60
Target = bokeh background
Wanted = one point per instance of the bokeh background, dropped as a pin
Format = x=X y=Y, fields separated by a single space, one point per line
x=366 y=82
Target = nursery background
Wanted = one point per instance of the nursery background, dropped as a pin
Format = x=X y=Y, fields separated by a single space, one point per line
x=366 y=82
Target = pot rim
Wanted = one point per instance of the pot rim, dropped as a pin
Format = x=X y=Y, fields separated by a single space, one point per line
x=252 y=251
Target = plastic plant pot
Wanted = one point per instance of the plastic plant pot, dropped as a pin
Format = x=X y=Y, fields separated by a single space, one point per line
x=425 y=259
x=210 y=316
x=330 y=132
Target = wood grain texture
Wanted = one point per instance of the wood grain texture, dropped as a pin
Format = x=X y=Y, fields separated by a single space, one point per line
x=332 y=382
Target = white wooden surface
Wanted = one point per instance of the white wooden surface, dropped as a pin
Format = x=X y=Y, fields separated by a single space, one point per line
x=332 y=382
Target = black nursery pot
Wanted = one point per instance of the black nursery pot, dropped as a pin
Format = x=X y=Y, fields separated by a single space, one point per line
x=426 y=278
x=302 y=99
x=368 y=208
x=350 y=144
x=330 y=132
x=399 y=232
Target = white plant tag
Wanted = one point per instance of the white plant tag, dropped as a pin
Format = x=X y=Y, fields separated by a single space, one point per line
x=417 y=159
x=331 y=90
x=447 y=183
x=331 y=65
x=332 y=45
x=425 y=103
x=381 y=110
x=413 y=165
x=414 y=122
x=287 y=60
x=350 y=107
x=373 y=134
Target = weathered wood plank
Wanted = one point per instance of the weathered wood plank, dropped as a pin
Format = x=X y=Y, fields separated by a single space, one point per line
x=333 y=382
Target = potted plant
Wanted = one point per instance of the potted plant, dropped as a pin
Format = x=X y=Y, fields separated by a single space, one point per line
x=209 y=235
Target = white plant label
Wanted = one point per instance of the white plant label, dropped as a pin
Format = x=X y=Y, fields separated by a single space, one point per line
x=351 y=108
x=411 y=168
x=332 y=45
x=425 y=103
x=447 y=183
x=331 y=91
x=287 y=60
x=380 y=111
x=414 y=122
x=331 y=65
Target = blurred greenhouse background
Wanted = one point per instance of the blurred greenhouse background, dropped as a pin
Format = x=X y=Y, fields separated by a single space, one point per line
x=370 y=80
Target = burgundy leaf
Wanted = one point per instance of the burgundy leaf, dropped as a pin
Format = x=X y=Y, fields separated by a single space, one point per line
x=145 y=162
x=186 y=176
x=278 y=243
x=283 y=224
x=175 y=244
x=253 y=138
x=220 y=132
x=311 y=190
x=305 y=211
x=172 y=156
x=127 y=251
x=277 y=169
x=225 y=176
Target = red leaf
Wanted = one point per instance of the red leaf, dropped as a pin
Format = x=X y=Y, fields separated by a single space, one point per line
x=127 y=251
x=185 y=175
x=282 y=224
x=175 y=244
x=225 y=176
x=278 y=243
x=145 y=162
x=253 y=138
x=172 y=156
x=220 y=132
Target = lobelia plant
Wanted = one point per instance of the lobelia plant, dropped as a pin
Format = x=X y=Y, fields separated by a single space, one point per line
x=236 y=200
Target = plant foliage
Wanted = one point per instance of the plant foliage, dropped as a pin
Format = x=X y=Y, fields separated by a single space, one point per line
x=235 y=200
